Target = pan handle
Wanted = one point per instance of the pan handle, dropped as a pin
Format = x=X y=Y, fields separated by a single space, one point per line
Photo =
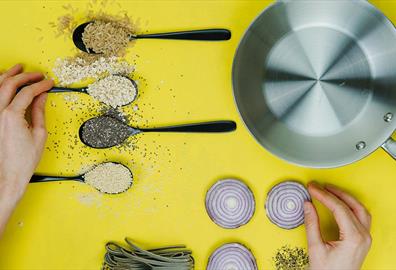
x=390 y=147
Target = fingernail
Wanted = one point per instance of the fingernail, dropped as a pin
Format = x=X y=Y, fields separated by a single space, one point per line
x=316 y=185
x=312 y=184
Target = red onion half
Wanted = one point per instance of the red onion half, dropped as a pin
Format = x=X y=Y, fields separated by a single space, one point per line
x=230 y=203
x=285 y=204
x=232 y=256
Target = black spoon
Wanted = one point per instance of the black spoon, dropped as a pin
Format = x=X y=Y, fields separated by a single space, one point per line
x=79 y=178
x=84 y=90
x=107 y=131
x=203 y=35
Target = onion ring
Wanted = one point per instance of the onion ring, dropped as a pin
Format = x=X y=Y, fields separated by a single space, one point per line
x=285 y=204
x=232 y=256
x=230 y=203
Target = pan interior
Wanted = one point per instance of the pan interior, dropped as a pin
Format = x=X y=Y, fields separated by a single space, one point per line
x=317 y=80
x=314 y=79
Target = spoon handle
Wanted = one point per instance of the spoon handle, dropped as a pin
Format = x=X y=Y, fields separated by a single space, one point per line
x=207 y=127
x=207 y=34
x=42 y=178
x=64 y=89
x=61 y=90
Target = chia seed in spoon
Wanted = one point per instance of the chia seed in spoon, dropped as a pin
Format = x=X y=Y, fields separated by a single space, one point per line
x=104 y=132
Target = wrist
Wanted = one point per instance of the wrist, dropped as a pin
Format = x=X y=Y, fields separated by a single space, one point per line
x=10 y=193
x=8 y=202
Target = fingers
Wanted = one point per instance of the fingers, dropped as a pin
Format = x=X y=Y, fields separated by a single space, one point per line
x=25 y=97
x=347 y=222
x=38 y=111
x=312 y=228
x=11 y=72
x=38 y=120
x=11 y=84
x=357 y=208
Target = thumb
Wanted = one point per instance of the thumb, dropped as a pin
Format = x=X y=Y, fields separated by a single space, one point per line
x=312 y=225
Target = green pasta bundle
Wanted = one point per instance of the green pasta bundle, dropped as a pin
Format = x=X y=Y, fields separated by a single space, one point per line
x=176 y=257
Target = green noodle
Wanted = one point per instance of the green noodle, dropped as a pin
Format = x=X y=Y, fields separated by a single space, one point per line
x=133 y=257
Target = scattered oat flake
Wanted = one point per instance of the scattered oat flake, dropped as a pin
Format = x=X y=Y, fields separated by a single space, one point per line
x=72 y=70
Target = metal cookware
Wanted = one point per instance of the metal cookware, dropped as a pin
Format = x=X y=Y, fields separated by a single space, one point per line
x=315 y=81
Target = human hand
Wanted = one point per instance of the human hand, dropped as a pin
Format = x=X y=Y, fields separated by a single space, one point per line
x=21 y=143
x=354 y=222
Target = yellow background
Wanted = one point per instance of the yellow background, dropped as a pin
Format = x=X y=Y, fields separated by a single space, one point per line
x=66 y=225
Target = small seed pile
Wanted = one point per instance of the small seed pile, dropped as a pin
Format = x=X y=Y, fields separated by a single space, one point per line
x=109 y=38
x=113 y=90
x=291 y=258
x=111 y=178
x=104 y=132
x=76 y=69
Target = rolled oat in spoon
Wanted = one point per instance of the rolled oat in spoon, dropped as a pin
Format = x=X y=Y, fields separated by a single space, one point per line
x=113 y=90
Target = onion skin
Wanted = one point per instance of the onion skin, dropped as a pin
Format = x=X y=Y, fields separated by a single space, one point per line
x=285 y=204
x=232 y=256
x=230 y=203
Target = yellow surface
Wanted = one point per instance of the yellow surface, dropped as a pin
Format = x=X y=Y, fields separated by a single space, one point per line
x=65 y=225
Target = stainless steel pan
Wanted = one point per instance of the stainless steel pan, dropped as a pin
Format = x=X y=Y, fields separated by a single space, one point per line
x=315 y=81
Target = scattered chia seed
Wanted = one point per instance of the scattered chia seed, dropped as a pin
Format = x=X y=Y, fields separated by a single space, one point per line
x=104 y=132
x=115 y=113
x=291 y=258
